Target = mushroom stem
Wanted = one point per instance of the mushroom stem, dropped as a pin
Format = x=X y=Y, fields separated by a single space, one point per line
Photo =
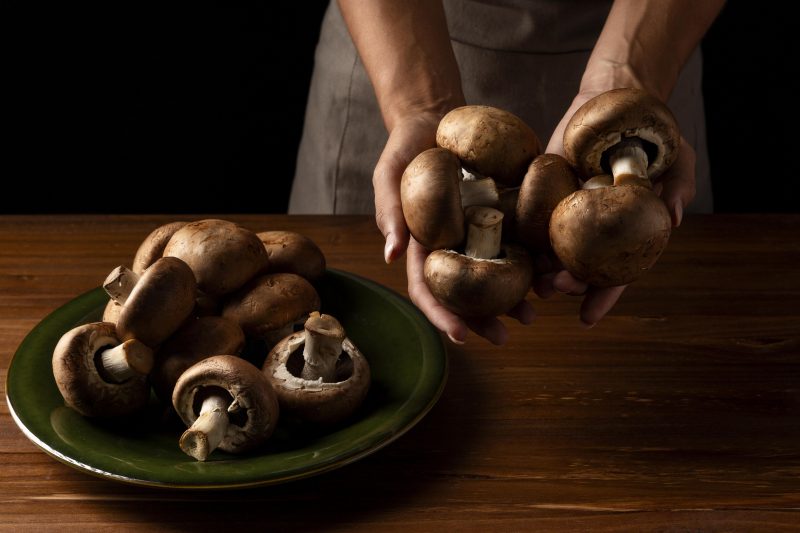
x=324 y=336
x=478 y=192
x=598 y=182
x=628 y=161
x=209 y=429
x=129 y=359
x=119 y=284
x=484 y=230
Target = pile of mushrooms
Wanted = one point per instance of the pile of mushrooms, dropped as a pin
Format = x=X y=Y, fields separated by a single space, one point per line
x=178 y=321
x=615 y=227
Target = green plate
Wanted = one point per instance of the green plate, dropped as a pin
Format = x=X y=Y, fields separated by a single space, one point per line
x=407 y=360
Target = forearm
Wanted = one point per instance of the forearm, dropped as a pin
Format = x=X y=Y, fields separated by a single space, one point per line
x=645 y=44
x=405 y=48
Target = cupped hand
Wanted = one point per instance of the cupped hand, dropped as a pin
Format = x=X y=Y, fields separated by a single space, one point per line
x=408 y=138
x=676 y=187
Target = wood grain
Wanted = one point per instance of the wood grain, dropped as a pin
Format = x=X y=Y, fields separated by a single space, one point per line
x=679 y=412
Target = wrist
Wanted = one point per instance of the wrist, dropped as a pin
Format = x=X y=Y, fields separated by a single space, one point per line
x=604 y=74
x=429 y=109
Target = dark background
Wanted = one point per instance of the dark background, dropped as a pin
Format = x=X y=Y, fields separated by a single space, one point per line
x=124 y=108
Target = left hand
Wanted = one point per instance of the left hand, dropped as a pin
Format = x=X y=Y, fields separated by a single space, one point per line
x=676 y=187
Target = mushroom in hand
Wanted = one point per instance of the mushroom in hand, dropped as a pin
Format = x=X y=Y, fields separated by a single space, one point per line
x=489 y=142
x=488 y=279
x=609 y=234
x=327 y=380
x=227 y=403
x=100 y=376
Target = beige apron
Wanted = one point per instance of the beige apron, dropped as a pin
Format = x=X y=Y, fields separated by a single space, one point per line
x=524 y=56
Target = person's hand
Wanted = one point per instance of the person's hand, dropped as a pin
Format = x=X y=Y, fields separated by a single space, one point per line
x=408 y=138
x=676 y=187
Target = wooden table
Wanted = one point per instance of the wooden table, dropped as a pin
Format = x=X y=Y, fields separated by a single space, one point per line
x=680 y=411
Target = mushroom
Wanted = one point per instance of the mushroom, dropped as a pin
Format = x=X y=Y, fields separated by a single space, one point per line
x=153 y=245
x=270 y=305
x=489 y=278
x=111 y=312
x=226 y=403
x=222 y=255
x=325 y=381
x=292 y=252
x=100 y=376
x=624 y=132
x=154 y=304
x=610 y=236
x=613 y=230
x=196 y=340
x=430 y=197
x=489 y=142
x=549 y=180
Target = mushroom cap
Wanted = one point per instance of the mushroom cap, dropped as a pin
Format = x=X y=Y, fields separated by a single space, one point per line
x=194 y=341
x=292 y=252
x=431 y=199
x=246 y=385
x=549 y=179
x=609 y=117
x=508 y=206
x=315 y=401
x=162 y=299
x=270 y=302
x=479 y=287
x=76 y=368
x=153 y=245
x=489 y=141
x=222 y=255
x=611 y=235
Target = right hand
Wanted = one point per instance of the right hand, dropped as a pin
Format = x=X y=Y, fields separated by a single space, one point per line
x=408 y=138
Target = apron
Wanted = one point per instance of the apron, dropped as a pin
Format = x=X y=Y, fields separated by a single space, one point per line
x=523 y=56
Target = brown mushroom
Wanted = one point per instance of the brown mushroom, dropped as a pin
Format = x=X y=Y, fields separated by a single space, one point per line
x=549 y=180
x=154 y=304
x=489 y=278
x=222 y=255
x=624 y=132
x=293 y=252
x=269 y=306
x=610 y=236
x=100 y=376
x=430 y=197
x=196 y=340
x=490 y=142
x=111 y=312
x=226 y=403
x=325 y=381
x=153 y=245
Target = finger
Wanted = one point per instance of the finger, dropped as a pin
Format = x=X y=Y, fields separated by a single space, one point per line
x=678 y=185
x=598 y=302
x=388 y=210
x=442 y=318
x=566 y=283
x=490 y=329
x=523 y=312
x=543 y=285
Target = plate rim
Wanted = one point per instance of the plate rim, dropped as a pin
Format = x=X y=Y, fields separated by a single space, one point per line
x=103 y=474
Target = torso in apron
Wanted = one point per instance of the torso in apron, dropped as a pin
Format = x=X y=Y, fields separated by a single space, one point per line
x=524 y=56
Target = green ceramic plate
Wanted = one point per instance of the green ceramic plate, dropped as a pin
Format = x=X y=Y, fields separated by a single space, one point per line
x=407 y=359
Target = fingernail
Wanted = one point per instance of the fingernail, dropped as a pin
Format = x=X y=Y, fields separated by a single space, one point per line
x=454 y=340
x=678 y=213
x=588 y=325
x=388 y=249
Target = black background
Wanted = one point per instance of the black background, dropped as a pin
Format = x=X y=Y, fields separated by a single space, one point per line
x=120 y=107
